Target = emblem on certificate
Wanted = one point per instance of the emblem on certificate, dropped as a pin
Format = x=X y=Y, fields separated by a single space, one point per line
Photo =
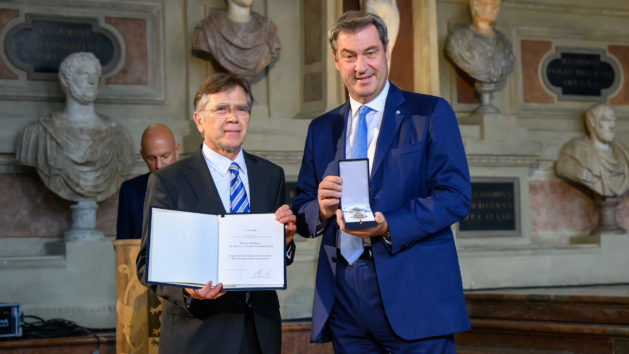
x=355 y=194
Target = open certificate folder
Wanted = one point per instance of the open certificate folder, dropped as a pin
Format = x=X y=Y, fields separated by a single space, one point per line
x=242 y=251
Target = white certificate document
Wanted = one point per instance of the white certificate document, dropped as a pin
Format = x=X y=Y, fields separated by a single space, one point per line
x=241 y=251
x=249 y=249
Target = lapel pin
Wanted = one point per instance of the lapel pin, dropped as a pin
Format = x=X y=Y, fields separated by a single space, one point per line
x=397 y=112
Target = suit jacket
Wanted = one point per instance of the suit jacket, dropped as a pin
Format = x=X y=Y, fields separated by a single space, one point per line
x=420 y=182
x=212 y=326
x=130 y=205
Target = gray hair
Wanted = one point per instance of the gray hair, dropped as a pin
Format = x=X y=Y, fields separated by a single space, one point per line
x=221 y=82
x=354 y=21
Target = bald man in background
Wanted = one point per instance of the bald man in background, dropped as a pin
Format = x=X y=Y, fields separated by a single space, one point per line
x=158 y=149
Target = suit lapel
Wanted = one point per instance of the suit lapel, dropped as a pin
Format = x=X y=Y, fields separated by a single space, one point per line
x=391 y=120
x=256 y=185
x=340 y=131
x=200 y=180
x=337 y=142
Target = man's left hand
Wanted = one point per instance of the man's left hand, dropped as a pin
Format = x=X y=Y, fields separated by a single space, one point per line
x=380 y=229
x=285 y=216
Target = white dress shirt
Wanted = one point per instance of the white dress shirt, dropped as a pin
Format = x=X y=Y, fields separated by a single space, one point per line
x=374 y=120
x=219 y=169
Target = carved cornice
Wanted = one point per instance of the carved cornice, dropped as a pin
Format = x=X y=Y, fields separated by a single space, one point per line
x=294 y=157
x=59 y=311
x=502 y=160
x=572 y=9
x=542 y=6
x=8 y=164
x=32 y=262
x=7 y=159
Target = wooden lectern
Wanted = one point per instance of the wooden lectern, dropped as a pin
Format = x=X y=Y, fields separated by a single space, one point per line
x=138 y=311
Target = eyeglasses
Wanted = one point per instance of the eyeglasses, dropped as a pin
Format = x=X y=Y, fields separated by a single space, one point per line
x=241 y=111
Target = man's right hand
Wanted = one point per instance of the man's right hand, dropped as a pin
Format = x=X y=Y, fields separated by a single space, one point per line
x=208 y=292
x=329 y=196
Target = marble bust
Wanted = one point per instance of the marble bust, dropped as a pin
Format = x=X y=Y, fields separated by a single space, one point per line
x=239 y=40
x=79 y=154
x=596 y=160
x=479 y=49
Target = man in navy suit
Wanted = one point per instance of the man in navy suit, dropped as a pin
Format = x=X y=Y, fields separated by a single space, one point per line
x=158 y=149
x=402 y=292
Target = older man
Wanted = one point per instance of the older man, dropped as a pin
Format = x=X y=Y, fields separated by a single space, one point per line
x=209 y=320
x=395 y=287
x=158 y=149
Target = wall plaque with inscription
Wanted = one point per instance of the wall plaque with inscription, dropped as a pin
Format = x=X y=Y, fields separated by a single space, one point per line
x=493 y=210
x=579 y=74
x=38 y=45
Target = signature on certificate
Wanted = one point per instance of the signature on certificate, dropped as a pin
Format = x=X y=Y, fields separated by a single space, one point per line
x=262 y=274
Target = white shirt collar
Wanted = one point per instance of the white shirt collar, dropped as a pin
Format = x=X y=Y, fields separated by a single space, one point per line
x=377 y=104
x=221 y=163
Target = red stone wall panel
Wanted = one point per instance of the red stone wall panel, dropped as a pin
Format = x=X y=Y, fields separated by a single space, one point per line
x=532 y=53
x=135 y=68
x=6 y=15
x=621 y=52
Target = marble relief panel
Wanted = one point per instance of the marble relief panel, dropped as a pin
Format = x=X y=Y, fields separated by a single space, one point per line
x=558 y=206
x=135 y=29
x=555 y=205
x=537 y=46
x=6 y=15
x=29 y=209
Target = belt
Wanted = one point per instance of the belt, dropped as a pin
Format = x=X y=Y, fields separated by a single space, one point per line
x=367 y=255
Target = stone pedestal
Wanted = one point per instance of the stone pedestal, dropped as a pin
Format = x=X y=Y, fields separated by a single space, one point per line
x=498 y=152
x=75 y=282
x=606 y=209
x=83 y=223
x=484 y=92
x=498 y=127
x=513 y=266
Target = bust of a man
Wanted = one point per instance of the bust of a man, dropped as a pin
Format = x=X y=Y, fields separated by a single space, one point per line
x=479 y=49
x=390 y=14
x=239 y=40
x=596 y=160
x=79 y=154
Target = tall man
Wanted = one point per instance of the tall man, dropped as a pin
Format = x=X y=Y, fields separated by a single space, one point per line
x=401 y=291
x=208 y=320
x=158 y=149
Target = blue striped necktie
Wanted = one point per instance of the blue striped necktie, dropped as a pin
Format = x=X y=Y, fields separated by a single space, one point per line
x=237 y=192
x=352 y=246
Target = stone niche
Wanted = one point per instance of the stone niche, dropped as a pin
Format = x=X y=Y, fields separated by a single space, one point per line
x=565 y=62
x=75 y=278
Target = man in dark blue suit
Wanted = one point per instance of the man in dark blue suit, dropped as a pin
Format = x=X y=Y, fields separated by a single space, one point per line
x=401 y=292
x=158 y=149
